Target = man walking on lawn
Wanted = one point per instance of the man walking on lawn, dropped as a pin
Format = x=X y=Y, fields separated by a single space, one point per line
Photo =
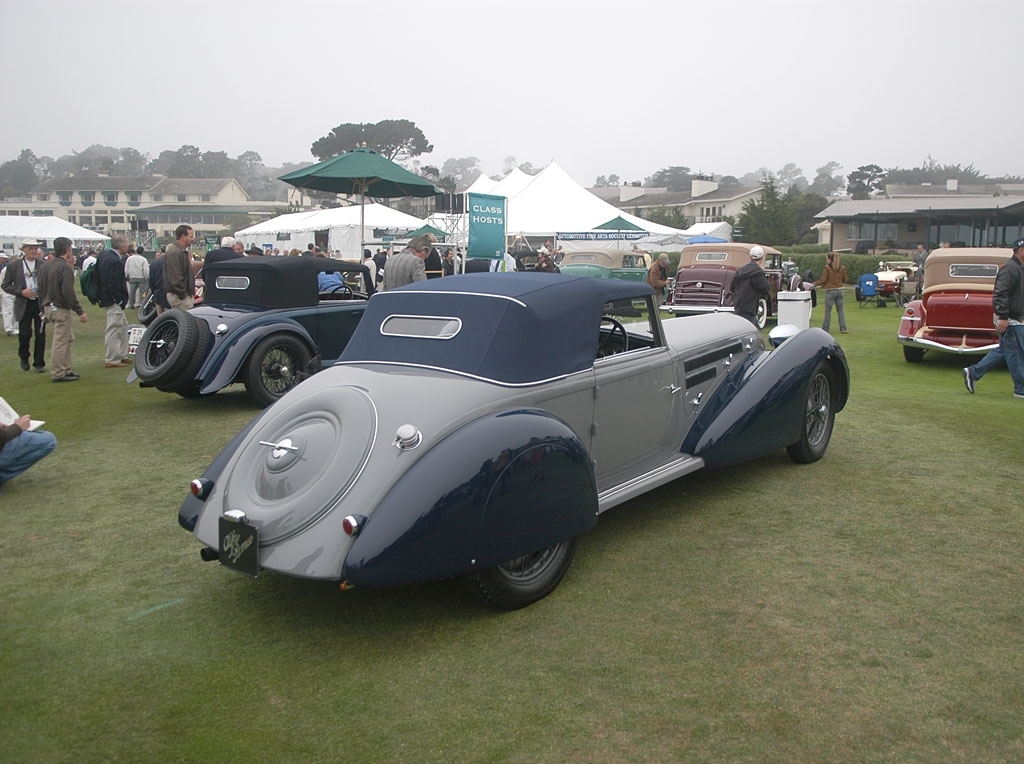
x=1008 y=303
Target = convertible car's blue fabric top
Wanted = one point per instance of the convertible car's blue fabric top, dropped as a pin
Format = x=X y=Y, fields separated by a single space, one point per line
x=516 y=328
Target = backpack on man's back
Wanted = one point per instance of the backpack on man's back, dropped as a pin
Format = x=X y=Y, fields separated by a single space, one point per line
x=90 y=283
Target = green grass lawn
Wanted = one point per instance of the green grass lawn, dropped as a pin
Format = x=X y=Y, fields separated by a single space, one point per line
x=867 y=608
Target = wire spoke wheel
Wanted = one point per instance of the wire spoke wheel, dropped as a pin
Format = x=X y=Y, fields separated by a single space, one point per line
x=818 y=406
x=277 y=364
x=819 y=417
x=524 y=580
x=278 y=370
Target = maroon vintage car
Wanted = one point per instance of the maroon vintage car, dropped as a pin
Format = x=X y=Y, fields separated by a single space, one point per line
x=703 y=282
x=954 y=313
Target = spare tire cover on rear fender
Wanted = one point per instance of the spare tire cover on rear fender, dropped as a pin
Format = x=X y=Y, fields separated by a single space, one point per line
x=322 y=443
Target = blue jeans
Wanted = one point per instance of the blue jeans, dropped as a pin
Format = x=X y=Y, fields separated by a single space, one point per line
x=1012 y=345
x=991 y=360
x=19 y=454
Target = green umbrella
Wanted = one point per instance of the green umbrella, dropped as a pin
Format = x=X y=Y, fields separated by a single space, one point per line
x=617 y=224
x=424 y=230
x=620 y=224
x=362 y=172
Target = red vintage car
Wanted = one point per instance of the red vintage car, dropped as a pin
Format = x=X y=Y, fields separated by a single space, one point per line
x=954 y=313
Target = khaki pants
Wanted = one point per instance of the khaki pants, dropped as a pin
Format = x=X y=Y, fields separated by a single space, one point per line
x=115 y=340
x=63 y=339
x=177 y=303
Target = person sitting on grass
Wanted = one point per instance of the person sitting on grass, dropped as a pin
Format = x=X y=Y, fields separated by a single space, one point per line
x=20 y=448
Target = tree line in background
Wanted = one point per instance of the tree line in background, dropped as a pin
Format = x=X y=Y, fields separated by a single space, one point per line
x=784 y=214
x=19 y=176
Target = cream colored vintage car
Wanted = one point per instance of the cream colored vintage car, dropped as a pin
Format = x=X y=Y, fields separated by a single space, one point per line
x=897 y=279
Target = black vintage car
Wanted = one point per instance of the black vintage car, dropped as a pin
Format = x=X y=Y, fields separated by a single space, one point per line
x=265 y=322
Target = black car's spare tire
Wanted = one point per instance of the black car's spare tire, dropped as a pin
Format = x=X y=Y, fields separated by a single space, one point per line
x=147 y=311
x=169 y=348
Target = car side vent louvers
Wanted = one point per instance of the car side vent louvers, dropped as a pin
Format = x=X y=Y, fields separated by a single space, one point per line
x=701 y=376
x=713 y=356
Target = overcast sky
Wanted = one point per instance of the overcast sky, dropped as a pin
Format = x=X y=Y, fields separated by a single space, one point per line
x=600 y=87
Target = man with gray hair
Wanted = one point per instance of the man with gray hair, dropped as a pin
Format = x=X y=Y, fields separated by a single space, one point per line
x=228 y=250
x=407 y=267
x=114 y=297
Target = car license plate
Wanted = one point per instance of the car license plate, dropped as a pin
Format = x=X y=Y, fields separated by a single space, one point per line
x=238 y=545
x=135 y=333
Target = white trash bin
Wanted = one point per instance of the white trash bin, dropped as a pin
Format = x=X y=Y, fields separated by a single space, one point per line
x=795 y=308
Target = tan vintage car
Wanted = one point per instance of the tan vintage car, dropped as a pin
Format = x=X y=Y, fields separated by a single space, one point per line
x=704 y=279
x=954 y=314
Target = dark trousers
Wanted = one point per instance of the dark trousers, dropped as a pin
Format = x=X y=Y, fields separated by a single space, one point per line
x=32 y=321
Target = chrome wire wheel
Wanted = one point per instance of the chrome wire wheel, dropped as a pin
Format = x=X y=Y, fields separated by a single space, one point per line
x=819 y=417
x=819 y=405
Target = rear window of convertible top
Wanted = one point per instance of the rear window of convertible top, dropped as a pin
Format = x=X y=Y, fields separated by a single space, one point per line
x=430 y=327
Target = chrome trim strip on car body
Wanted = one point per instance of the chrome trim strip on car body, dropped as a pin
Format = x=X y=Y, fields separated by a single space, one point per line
x=457 y=373
x=666 y=473
x=698 y=309
x=472 y=294
x=958 y=349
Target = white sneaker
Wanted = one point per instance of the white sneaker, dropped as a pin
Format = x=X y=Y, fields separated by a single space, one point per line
x=968 y=379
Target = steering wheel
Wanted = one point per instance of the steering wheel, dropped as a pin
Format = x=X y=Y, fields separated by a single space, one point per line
x=345 y=289
x=606 y=345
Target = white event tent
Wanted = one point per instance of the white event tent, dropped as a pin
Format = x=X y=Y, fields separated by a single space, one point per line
x=720 y=229
x=551 y=204
x=15 y=228
x=297 y=229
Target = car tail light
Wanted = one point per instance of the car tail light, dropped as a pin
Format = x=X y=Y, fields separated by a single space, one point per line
x=201 y=488
x=353 y=524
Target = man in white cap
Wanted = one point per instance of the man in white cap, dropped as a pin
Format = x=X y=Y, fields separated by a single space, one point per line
x=20 y=282
x=750 y=287
x=7 y=300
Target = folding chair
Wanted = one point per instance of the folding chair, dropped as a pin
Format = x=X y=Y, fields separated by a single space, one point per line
x=906 y=293
x=867 y=289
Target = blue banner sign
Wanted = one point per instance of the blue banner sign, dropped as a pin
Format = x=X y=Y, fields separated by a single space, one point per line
x=486 y=226
x=602 y=236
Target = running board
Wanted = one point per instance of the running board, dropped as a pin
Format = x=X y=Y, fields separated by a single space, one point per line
x=684 y=465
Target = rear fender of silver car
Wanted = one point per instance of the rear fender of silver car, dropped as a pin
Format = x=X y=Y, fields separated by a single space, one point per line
x=188 y=515
x=503 y=486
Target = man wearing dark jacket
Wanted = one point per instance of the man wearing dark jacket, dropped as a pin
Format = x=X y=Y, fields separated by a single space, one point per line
x=113 y=297
x=20 y=281
x=179 y=280
x=750 y=286
x=226 y=251
x=60 y=302
x=1008 y=304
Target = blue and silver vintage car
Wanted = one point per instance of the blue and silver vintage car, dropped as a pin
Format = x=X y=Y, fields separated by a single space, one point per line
x=266 y=322
x=476 y=425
